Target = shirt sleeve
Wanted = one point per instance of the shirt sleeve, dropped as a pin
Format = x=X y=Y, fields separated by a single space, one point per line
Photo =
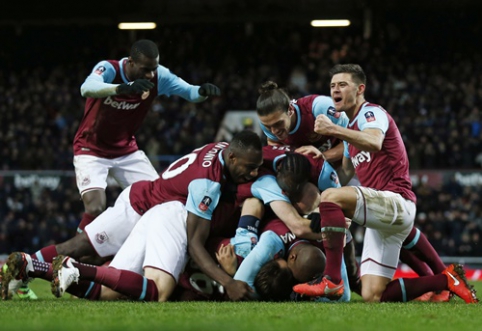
x=269 y=245
x=98 y=83
x=266 y=189
x=203 y=197
x=328 y=177
x=372 y=118
x=170 y=84
x=323 y=105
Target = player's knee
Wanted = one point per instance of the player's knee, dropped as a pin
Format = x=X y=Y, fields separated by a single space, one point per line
x=94 y=202
x=165 y=283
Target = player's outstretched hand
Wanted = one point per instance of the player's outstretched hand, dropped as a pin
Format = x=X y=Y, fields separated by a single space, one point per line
x=207 y=90
x=138 y=86
x=310 y=150
x=239 y=291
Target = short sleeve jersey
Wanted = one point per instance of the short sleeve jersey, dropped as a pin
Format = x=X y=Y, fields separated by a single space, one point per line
x=388 y=169
x=108 y=126
x=195 y=180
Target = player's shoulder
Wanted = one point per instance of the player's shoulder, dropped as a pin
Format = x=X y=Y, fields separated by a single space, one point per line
x=306 y=100
x=164 y=72
x=369 y=111
x=373 y=106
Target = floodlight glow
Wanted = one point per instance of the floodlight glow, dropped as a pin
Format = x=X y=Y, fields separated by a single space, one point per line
x=137 y=26
x=329 y=23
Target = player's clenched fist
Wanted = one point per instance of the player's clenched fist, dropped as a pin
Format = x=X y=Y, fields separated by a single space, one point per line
x=323 y=125
x=207 y=90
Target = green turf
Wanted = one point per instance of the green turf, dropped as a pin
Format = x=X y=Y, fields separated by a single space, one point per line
x=49 y=313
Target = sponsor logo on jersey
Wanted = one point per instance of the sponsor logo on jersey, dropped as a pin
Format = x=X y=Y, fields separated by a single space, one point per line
x=332 y=112
x=122 y=105
x=204 y=205
x=99 y=70
x=370 y=116
x=101 y=237
x=360 y=158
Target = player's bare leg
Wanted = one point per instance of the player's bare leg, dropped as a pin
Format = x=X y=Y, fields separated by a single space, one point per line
x=164 y=281
x=94 y=205
x=373 y=287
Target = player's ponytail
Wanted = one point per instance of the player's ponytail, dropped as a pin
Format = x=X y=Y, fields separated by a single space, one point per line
x=271 y=98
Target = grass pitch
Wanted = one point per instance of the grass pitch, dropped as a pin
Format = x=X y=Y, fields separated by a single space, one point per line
x=49 y=313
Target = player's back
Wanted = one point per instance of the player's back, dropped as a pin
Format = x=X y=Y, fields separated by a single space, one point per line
x=203 y=165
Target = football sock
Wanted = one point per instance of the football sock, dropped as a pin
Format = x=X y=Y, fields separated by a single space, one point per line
x=45 y=254
x=333 y=224
x=406 y=289
x=420 y=267
x=249 y=223
x=86 y=220
x=123 y=281
x=41 y=270
x=418 y=243
x=85 y=289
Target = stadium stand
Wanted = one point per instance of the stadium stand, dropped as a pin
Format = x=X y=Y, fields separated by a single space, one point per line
x=434 y=94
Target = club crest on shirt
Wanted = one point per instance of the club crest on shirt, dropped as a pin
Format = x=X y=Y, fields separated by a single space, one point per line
x=332 y=112
x=370 y=116
x=99 y=70
x=101 y=237
x=204 y=205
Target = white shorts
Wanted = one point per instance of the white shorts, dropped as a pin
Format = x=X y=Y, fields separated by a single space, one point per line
x=110 y=229
x=159 y=240
x=388 y=219
x=91 y=171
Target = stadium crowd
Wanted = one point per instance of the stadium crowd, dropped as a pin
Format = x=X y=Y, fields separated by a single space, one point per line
x=433 y=94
